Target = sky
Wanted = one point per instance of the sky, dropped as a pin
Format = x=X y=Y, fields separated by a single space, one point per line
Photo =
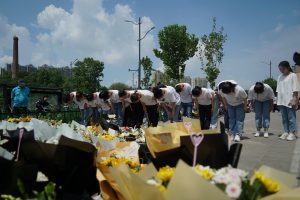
x=60 y=31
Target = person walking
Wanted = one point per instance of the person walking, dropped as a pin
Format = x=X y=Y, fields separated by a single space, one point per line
x=261 y=96
x=287 y=100
x=235 y=102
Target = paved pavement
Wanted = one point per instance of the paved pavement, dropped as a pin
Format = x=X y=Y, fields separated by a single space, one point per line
x=276 y=153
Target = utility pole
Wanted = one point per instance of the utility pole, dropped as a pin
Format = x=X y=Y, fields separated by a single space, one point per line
x=139 y=40
x=270 y=65
x=71 y=65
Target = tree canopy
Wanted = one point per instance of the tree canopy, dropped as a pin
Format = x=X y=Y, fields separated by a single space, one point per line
x=147 y=68
x=176 y=47
x=211 y=52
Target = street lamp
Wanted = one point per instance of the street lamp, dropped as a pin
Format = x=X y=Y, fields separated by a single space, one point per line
x=139 y=40
x=133 y=70
x=71 y=64
x=270 y=64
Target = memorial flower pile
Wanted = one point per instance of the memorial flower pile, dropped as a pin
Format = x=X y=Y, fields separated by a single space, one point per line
x=234 y=182
x=20 y=119
x=113 y=161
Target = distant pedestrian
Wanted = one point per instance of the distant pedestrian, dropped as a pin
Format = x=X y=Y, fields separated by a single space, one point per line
x=235 y=102
x=217 y=99
x=20 y=98
x=261 y=96
x=287 y=100
x=204 y=101
x=185 y=92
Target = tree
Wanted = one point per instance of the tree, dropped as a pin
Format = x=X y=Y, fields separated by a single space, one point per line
x=271 y=82
x=46 y=77
x=147 y=67
x=211 y=53
x=119 y=86
x=176 y=47
x=87 y=75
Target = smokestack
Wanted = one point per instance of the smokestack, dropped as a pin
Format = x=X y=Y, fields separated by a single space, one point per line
x=15 y=63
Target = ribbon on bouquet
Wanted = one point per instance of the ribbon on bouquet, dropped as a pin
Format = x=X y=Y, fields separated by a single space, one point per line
x=21 y=132
x=196 y=139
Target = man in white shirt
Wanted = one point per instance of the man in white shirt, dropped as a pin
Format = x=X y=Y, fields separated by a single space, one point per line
x=226 y=117
x=261 y=96
x=169 y=99
x=79 y=99
x=113 y=97
x=149 y=104
x=204 y=100
x=185 y=92
x=287 y=100
x=235 y=102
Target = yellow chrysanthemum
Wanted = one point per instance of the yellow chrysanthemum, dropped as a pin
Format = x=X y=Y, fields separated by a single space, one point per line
x=270 y=184
x=206 y=172
x=110 y=162
x=162 y=188
x=107 y=137
x=165 y=173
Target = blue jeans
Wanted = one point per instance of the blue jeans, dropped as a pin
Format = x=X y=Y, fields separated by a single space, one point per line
x=236 y=119
x=175 y=118
x=288 y=119
x=215 y=113
x=187 y=109
x=226 y=119
x=84 y=116
x=95 y=113
x=118 y=112
x=262 y=114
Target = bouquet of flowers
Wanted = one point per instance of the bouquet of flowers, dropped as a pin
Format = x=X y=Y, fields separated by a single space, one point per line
x=20 y=119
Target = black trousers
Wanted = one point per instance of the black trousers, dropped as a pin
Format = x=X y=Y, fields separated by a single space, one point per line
x=19 y=111
x=153 y=115
x=205 y=116
x=134 y=115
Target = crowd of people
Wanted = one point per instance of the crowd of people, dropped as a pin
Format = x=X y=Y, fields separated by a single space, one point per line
x=165 y=103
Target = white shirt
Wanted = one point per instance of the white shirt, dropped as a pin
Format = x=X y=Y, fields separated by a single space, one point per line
x=205 y=97
x=266 y=95
x=147 y=97
x=286 y=85
x=130 y=92
x=115 y=96
x=235 y=98
x=80 y=103
x=186 y=93
x=100 y=102
x=231 y=81
x=170 y=96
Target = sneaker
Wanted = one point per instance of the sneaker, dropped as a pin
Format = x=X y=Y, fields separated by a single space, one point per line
x=291 y=137
x=257 y=134
x=266 y=134
x=237 y=138
x=284 y=136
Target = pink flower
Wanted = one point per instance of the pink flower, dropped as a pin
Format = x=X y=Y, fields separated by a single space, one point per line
x=233 y=190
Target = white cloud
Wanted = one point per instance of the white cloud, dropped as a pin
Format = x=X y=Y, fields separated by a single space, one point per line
x=279 y=27
x=87 y=30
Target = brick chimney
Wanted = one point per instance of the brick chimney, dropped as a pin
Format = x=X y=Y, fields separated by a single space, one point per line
x=15 y=62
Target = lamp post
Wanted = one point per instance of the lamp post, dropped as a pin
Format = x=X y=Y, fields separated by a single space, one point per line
x=139 y=40
x=270 y=64
x=71 y=64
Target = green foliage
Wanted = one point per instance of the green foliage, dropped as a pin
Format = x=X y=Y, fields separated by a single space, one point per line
x=118 y=86
x=47 y=194
x=271 y=82
x=147 y=67
x=46 y=77
x=87 y=75
x=176 y=47
x=211 y=53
